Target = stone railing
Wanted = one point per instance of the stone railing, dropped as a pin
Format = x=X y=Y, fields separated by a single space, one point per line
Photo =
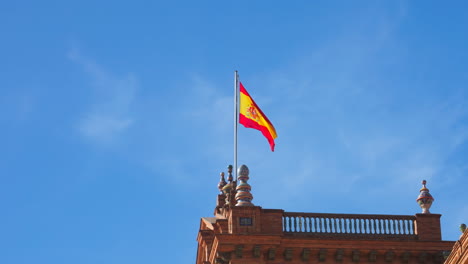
x=347 y=225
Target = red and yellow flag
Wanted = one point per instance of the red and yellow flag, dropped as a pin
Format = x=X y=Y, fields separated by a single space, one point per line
x=251 y=116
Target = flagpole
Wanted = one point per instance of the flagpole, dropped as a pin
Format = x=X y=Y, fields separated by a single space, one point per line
x=236 y=121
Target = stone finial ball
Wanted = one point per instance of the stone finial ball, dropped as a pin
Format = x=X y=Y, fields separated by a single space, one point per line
x=462 y=228
x=424 y=182
x=243 y=171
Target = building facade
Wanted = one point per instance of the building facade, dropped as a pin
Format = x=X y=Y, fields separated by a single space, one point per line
x=241 y=232
x=459 y=254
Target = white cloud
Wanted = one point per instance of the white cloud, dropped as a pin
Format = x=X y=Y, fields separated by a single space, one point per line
x=348 y=127
x=109 y=115
x=200 y=126
x=103 y=128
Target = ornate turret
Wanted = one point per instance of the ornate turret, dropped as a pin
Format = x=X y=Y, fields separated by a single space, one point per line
x=229 y=173
x=229 y=189
x=425 y=199
x=222 y=182
x=243 y=196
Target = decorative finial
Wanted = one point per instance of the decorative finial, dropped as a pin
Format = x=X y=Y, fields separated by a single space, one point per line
x=243 y=196
x=222 y=182
x=230 y=173
x=425 y=199
x=462 y=228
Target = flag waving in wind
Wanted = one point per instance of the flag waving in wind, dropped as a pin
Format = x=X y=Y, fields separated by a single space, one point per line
x=251 y=116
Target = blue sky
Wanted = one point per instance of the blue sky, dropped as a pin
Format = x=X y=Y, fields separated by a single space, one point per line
x=117 y=117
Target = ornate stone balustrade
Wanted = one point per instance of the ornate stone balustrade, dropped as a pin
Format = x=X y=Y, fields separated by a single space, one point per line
x=350 y=225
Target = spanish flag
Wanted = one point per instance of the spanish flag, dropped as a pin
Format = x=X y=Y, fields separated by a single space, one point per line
x=251 y=116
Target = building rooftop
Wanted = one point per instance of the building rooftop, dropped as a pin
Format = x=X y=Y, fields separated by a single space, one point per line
x=241 y=232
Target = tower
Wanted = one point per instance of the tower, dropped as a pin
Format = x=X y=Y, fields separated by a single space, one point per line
x=243 y=233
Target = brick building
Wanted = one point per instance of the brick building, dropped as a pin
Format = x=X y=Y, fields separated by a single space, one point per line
x=242 y=233
x=459 y=254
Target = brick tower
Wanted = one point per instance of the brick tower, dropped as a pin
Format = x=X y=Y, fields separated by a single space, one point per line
x=242 y=233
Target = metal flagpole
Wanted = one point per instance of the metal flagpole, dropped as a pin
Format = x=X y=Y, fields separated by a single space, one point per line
x=236 y=121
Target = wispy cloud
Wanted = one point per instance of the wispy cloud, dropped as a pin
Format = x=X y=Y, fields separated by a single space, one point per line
x=199 y=125
x=109 y=115
x=347 y=127
x=102 y=127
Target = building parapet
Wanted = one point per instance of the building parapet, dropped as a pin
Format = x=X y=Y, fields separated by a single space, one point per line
x=351 y=225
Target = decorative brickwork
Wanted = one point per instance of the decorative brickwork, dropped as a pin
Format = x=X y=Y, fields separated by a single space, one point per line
x=253 y=235
x=459 y=254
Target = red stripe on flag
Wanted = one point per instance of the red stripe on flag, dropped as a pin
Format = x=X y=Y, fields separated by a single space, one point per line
x=249 y=123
